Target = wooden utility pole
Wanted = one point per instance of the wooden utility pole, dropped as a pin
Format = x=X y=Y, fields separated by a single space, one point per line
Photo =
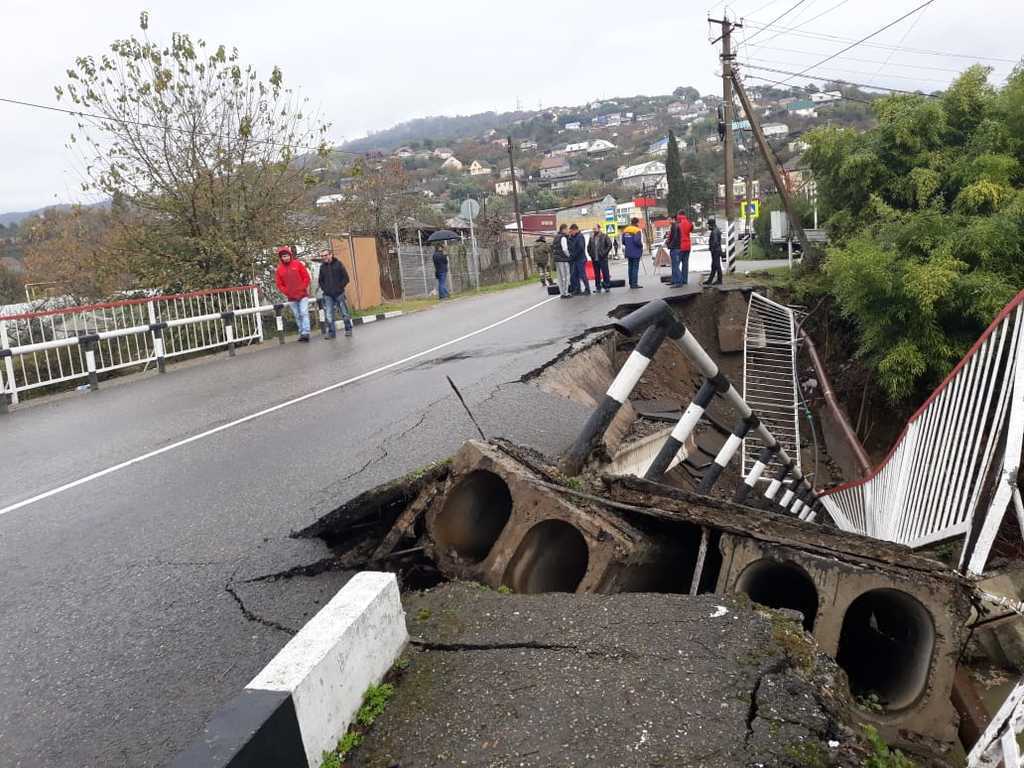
x=810 y=258
x=728 y=142
x=515 y=202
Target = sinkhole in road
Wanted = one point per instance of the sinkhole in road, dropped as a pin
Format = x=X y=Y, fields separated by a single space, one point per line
x=886 y=646
x=475 y=513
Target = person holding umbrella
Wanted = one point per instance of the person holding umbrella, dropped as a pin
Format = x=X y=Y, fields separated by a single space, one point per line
x=441 y=259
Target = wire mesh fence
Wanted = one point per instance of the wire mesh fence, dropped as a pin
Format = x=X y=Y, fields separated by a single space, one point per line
x=468 y=268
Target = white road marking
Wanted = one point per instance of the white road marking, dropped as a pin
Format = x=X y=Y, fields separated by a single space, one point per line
x=264 y=412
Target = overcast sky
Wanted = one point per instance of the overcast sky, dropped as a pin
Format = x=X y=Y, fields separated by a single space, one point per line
x=369 y=65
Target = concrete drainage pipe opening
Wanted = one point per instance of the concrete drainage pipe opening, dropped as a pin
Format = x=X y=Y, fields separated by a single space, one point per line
x=886 y=646
x=552 y=557
x=781 y=585
x=474 y=515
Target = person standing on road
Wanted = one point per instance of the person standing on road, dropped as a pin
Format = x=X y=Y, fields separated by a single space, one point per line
x=633 y=247
x=615 y=248
x=441 y=271
x=542 y=258
x=560 y=253
x=599 y=248
x=292 y=280
x=578 y=253
x=679 y=249
x=715 y=246
x=332 y=281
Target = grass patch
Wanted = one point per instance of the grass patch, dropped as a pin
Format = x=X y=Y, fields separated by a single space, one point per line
x=375 y=699
x=417 y=304
x=881 y=755
x=789 y=636
x=423 y=614
x=808 y=753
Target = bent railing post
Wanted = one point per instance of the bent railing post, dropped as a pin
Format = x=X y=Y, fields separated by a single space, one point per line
x=726 y=453
x=763 y=459
x=684 y=427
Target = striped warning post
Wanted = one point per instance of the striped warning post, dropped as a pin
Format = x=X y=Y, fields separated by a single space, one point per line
x=730 y=247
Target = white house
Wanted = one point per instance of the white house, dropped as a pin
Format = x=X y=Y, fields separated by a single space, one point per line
x=443 y=153
x=525 y=145
x=451 y=164
x=325 y=200
x=554 y=168
x=600 y=145
x=798 y=146
x=580 y=146
x=803 y=108
x=404 y=152
x=636 y=176
x=477 y=169
x=739 y=188
x=574 y=126
x=824 y=97
x=504 y=187
x=775 y=129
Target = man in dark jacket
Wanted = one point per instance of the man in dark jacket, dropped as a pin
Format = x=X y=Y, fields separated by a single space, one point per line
x=441 y=270
x=599 y=248
x=563 y=261
x=578 y=253
x=633 y=246
x=715 y=246
x=679 y=249
x=332 y=281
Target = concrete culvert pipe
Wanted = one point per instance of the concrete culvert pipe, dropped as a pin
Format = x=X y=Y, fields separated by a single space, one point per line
x=474 y=514
x=781 y=585
x=552 y=557
x=886 y=646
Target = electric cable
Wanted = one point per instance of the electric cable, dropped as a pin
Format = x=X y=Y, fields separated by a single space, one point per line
x=777 y=18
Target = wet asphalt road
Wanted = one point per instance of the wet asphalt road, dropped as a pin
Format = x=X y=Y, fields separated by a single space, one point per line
x=120 y=636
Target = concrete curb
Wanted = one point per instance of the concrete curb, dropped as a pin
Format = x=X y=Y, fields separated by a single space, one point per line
x=303 y=701
x=375 y=318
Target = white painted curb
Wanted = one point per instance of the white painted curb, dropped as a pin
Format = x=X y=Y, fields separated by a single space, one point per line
x=347 y=646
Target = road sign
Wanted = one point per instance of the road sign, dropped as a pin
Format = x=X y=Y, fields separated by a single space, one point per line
x=609 y=214
x=753 y=208
x=470 y=209
x=611 y=229
x=645 y=202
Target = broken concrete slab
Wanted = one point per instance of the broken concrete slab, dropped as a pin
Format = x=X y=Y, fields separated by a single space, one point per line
x=609 y=680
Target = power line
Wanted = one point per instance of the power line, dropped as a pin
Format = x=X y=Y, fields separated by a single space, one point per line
x=803 y=24
x=832 y=80
x=861 y=61
x=900 y=43
x=845 y=70
x=922 y=51
x=864 y=39
x=777 y=18
x=142 y=124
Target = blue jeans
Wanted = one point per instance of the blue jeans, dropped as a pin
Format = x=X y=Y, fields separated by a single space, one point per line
x=442 y=285
x=680 y=266
x=300 y=309
x=634 y=272
x=330 y=303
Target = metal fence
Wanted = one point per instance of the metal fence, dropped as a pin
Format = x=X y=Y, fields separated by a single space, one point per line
x=963 y=444
x=770 y=378
x=55 y=346
x=467 y=269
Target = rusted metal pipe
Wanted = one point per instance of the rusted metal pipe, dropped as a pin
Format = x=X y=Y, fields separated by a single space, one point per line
x=859 y=454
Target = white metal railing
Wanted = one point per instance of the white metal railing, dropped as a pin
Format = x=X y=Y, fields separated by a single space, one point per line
x=63 y=345
x=770 y=378
x=998 y=744
x=939 y=472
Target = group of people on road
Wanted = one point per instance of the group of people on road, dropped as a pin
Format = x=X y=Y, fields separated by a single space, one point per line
x=293 y=280
x=569 y=252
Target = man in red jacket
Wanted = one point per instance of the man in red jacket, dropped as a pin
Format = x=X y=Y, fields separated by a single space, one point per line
x=679 y=249
x=293 y=281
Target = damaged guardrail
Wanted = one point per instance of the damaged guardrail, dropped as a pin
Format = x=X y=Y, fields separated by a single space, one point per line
x=657 y=321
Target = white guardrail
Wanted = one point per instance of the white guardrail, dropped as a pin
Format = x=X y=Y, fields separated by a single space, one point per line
x=953 y=470
x=64 y=345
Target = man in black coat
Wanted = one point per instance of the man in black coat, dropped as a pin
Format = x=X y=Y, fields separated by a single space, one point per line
x=578 y=253
x=715 y=246
x=332 y=280
x=599 y=248
x=441 y=270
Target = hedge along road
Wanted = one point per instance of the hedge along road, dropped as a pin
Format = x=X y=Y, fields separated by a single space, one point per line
x=129 y=510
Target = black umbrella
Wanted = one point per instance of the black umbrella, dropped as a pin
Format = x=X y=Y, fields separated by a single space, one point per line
x=441 y=235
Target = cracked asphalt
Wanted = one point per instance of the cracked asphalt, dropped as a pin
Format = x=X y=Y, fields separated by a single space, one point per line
x=130 y=610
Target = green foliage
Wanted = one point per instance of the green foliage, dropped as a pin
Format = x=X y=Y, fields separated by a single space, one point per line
x=677 y=193
x=926 y=218
x=375 y=699
x=882 y=756
x=12 y=287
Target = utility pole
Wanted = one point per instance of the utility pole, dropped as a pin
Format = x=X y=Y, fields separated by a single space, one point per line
x=728 y=142
x=515 y=202
x=810 y=258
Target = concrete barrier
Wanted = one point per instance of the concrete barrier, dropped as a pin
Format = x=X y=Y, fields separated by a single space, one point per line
x=303 y=701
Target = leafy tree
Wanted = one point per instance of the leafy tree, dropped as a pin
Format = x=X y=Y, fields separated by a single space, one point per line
x=12 y=286
x=926 y=216
x=677 y=192
x=205 y=154
x=686 y=93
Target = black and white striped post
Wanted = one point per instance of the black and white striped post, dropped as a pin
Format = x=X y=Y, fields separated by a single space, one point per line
x=726 y=453
x=658 y=325
x=685 y=426
x=158 y=346
x=88 y=343
x=773 y=487
x=322 y=316
x=279 y=321
x=763 y=459
x=5 y=396
x=229 y=330
x=790 y=494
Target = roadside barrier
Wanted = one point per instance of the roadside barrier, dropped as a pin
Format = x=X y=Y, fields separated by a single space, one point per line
x=953 y=469
x=657 y=321
x=77 y=344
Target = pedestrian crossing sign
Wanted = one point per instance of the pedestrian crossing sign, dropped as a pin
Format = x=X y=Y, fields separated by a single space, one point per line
x=753 y=208
x=611 y=229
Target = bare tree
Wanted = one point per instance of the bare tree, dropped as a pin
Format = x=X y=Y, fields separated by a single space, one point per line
x=378 y=196
x=211 y=157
